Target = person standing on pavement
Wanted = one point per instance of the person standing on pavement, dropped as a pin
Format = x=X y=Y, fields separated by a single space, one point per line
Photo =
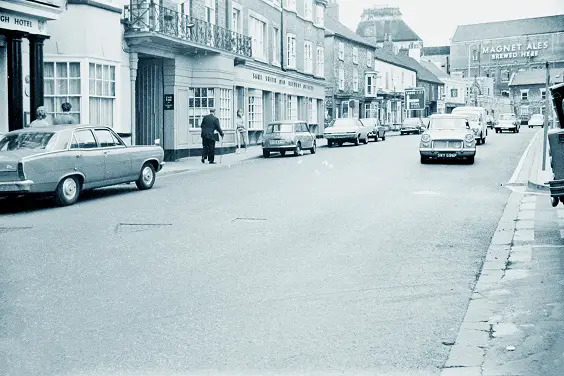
x=240 y=131
x=66 y=117
x=40 y=118
x=210 y=125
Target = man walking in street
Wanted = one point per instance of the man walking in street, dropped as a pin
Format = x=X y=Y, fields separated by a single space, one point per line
x=210 y=125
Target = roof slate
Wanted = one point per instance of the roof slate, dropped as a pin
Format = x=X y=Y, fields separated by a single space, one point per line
x=423 y=74
x=438 y=50
x=334 y=27
x=504 y=29
x=531 y=77
x=431 y=67
x=398 y=29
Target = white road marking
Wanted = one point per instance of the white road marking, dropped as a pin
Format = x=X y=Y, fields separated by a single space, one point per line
x=522 y=160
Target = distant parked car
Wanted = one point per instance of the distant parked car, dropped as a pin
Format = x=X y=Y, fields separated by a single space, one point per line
x=378 y=130
x=536 y=120
x=412 y=125
x=67 y=160
x=508 y=122
x=478 y=122
x=448 y=137
x=346 y=130
x=284 y=136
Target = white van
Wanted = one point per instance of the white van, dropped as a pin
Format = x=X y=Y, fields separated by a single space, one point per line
x=478 y=119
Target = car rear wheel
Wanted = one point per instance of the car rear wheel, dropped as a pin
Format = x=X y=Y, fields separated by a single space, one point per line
x=147 y=177
x=314 y=147
x=265 y=153
x=67 y=191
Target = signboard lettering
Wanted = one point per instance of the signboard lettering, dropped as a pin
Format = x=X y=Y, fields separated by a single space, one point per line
x=511 y=51
x=12 y=21
x=415 y=98
x=282 y=82
x=168 y=102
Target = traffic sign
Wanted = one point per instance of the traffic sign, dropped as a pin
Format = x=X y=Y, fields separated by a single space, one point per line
x=415 y=98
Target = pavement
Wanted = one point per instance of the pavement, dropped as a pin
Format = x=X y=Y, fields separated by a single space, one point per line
x=514 y=324
x=194 y=164
x=353 y=261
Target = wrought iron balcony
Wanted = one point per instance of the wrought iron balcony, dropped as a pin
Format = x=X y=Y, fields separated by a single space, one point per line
x=145 y=16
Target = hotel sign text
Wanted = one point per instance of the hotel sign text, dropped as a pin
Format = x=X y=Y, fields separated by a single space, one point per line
x=515 y=50
x=16 y=22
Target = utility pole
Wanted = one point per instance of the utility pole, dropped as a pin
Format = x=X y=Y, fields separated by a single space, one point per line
x=547 y=108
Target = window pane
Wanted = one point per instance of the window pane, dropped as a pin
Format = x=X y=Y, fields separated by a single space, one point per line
x=63 y=87
x=99 y=87
x=106 y=88
x=62 y=70
x=106 y=70
x=92 y=87
x=75 y=103
x=99 y=74
x=92 y=71
x=49 y=86
x=113 y=89
x=74 y=69
x=112 y=73
x=49 y=104
x=74 y=86
x=49 y=70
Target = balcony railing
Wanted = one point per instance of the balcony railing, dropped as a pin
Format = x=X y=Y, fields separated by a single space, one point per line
x=145 y=16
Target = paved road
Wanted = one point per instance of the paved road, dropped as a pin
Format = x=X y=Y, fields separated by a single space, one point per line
x=356 y=259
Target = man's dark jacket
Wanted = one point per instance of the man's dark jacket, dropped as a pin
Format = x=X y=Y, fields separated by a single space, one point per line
x=210 y=124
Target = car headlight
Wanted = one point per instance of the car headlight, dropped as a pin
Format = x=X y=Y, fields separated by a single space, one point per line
x=469 y=138
x=425 y=138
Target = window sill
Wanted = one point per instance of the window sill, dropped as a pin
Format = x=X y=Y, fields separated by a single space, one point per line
x=261 y=59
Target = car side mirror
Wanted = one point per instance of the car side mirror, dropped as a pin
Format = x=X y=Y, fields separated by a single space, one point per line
x=158 y=142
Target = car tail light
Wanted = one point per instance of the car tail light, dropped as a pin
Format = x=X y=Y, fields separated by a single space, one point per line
x=21 y=173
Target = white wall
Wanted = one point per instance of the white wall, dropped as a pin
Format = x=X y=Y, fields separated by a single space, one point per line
x=395 y=74
x=460 y=85
x=89 y=34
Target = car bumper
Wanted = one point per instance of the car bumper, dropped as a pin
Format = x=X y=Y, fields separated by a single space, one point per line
x=505 y=126
x=340 y=137
x=11 y=187
x=447 y=153
x=409 y=130
x=285 y=147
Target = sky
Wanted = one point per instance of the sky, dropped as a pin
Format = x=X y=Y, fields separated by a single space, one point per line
x=435 y=20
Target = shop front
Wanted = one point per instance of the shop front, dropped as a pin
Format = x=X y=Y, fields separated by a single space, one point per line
x=22 y=34
x=265 y=95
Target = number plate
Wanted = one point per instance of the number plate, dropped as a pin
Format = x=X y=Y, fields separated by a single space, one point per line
x=277 y=142
x=446 y=155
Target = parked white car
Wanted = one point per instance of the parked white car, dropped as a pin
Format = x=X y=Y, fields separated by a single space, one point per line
x=508 y=122
x=477 y=117
x=537 y=120
x=344 y=130
x=448 y=137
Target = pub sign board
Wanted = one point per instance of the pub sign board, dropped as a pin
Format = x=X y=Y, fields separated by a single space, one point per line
x=169 y=101
x=415 y=98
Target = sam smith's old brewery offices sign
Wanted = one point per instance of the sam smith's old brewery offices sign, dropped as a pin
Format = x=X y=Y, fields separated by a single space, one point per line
x=513 y=50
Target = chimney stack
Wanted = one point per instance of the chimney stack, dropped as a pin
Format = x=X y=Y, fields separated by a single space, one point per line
x=332 y=9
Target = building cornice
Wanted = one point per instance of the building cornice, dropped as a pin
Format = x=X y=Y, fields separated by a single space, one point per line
x=291 y=74
x=97 y=4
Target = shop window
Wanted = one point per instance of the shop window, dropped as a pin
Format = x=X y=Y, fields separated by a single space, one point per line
x=225 y=109
x=313 y=111
x=255 y=112
x=292 y=107
x=102 y=93
x=199 y=104
x=62 y=84
x=524 y=110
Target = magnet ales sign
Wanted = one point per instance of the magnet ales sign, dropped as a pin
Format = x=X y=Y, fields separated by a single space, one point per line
x=512 y=51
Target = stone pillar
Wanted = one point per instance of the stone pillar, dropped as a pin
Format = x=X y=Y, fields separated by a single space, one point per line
x=36 y=72
x=15 y=81
x=133 y=60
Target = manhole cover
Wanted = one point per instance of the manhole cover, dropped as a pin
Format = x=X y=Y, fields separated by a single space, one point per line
x=10 y=229
x=138 y=227
x=249 y=219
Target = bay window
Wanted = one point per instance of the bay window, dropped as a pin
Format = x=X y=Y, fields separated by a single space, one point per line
x=102 y=93
x=200 y=101
x=62 y=83
x=255 y=111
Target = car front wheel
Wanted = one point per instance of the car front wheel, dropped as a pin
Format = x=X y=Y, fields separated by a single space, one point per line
x=67 y=191
x=147 y=177
x=357 y=140
x=313 y=148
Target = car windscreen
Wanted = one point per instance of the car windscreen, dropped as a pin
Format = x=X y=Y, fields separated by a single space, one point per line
x=282 y=128
x=447 y=123
x=472 y=116
x=29 y=141
x=537 y=117
x=506 y=117
x=343 y=123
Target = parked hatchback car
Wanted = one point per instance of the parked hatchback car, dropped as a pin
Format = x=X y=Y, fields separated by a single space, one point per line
x=64 y=161
x=536 y=120
x=508 y=122
x=412 y=125
x=378 y=130
x=284 y=136
x=448 y=137
x=346 y=130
